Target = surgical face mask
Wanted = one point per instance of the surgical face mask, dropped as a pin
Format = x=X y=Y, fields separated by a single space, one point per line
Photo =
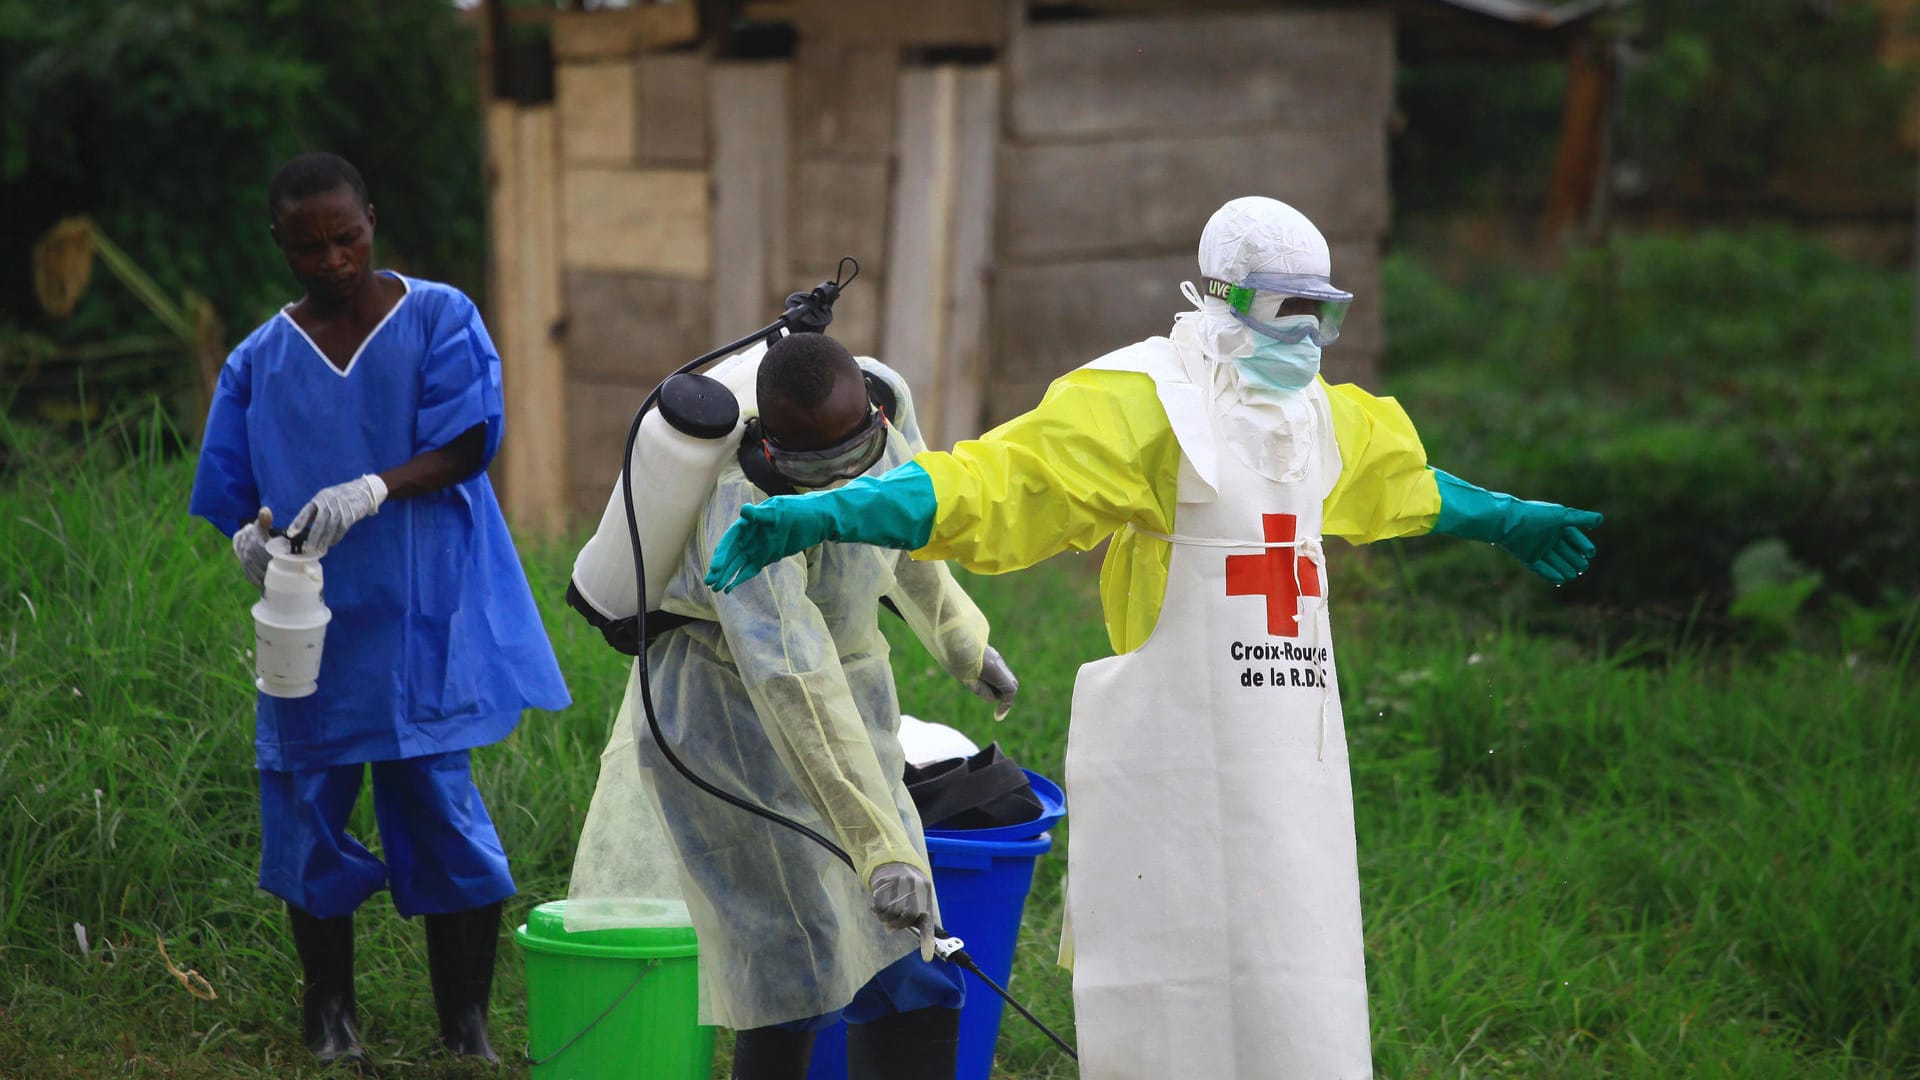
x=849 y=458
x=1282 y=365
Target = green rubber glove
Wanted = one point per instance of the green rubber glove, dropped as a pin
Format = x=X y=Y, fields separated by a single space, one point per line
x=1546 y=536
x=893 y=510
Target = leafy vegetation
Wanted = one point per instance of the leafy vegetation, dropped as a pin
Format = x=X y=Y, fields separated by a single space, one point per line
x=1576 y=860
x=1683 y=840
x=1726 y=111
x=164 y=120
x=1706 y=391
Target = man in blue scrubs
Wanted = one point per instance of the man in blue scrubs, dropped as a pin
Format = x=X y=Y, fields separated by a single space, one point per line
x=364 y=415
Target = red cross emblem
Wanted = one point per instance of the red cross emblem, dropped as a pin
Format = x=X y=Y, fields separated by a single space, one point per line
x=1279 y=573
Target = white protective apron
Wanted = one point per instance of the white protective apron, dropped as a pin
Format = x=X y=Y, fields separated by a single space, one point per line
x=1213 y=895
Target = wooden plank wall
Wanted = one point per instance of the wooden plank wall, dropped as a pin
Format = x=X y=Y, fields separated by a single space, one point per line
x=1124 y=134
x=842 y=134
x=525 y=305
x=852 y=60
x=635 y=194
x=696 y=194
x=1012 y=219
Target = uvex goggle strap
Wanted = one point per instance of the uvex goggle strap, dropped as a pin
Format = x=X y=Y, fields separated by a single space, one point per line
x=1270 y=304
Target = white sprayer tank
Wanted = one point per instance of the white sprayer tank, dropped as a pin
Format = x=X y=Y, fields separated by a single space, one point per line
x=289 y=624
x=672 y=475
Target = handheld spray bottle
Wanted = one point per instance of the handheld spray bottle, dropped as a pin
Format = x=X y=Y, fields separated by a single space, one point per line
x=290 y=621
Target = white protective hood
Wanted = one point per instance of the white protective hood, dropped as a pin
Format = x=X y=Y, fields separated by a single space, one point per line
x=1249 y=235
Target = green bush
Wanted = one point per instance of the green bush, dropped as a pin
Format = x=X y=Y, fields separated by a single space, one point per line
x=1706 y=392
x=1574 y=862
x=1726 y=109
x=164 y=120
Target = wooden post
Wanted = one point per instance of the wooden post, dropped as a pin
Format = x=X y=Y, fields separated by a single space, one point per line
x=939 y=244
x=503 y=253
x=751 y=176
x=976 y=139
x=842 y=130
x=527 y=313
x=1581 y=158
x=919 y=238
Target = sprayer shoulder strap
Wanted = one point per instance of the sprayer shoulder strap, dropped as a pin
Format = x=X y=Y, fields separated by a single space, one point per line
x=624 y=634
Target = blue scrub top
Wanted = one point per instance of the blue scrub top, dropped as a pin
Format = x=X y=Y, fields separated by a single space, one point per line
x=435 y=643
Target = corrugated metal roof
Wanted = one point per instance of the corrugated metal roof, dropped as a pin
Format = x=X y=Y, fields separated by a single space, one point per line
x=1538 y=15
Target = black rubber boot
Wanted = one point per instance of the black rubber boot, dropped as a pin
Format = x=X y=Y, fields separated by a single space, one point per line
x=460 y=950
x=771 y=1053
x=326 y=1004
x=920 y=1045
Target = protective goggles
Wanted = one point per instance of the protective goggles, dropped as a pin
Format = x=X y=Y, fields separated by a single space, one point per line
x=844 y=460
x=1270 y=304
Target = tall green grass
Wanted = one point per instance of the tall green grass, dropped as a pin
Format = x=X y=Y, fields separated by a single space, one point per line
x=1707 y=391
x=1575 y=862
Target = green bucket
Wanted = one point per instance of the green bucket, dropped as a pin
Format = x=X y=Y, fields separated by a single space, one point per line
x=616 y=1003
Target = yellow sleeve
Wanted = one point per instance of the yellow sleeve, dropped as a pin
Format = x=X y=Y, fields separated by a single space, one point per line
x=1096 y=453
x=1385 y=488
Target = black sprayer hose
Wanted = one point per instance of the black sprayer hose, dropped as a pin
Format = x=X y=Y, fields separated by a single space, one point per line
x=966 y=962
x=810 y=311
x=640 y=584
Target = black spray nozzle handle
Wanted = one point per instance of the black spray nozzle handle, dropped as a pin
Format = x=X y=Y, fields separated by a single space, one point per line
x=811 y=312
x=295 y=540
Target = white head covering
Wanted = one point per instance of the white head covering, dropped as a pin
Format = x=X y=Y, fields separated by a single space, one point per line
x=1249 y=235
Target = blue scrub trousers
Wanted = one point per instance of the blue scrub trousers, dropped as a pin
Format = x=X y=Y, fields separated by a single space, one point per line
x=907 y=984
x=442 y=853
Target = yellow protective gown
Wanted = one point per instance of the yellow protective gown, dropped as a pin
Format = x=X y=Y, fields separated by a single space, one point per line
x=1099 y=452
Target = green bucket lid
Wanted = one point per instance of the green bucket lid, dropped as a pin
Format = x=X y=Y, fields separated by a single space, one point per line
x=629 y=928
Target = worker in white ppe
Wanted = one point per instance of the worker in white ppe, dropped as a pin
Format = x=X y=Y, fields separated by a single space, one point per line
x=1213 y=905
x=780 y=692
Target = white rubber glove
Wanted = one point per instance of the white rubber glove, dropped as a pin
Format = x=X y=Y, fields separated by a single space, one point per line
x=250 y=547
x=324 y=522
x=996 y=683
x=903 y=898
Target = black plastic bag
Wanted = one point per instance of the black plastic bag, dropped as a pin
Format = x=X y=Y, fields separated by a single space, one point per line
x=984 y=791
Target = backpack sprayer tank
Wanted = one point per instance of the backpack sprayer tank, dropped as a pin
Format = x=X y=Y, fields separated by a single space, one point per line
x=676 y=458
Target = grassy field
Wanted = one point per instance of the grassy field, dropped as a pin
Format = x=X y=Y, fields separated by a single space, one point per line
x=1575 y=861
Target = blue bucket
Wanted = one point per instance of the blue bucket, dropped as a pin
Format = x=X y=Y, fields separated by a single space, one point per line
x=982 y=877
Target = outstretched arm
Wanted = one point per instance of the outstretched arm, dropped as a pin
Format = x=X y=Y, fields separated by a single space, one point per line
x=1386 y=489
x=894 y=510
x=1096 y=454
